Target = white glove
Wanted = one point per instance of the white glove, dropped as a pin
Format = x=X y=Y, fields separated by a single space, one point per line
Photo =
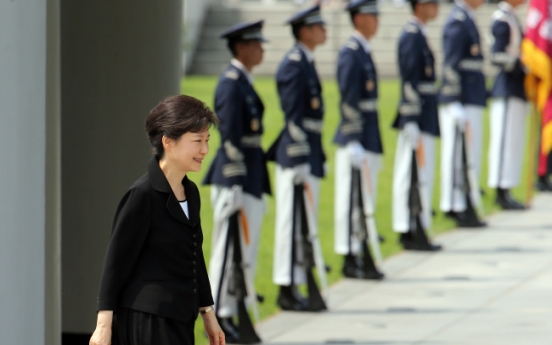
x=412 y=134
x=301 y=172
x=459 y=114
x=356 y=152
x=234 y=201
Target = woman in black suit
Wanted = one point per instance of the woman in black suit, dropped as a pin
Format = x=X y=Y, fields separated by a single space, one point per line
x=154 y=281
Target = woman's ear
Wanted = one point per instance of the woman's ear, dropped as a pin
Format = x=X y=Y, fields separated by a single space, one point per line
x=167 y=142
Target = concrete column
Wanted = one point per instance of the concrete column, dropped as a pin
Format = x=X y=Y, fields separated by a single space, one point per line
x=52 y=303
x=22 y=170
x=119 y=58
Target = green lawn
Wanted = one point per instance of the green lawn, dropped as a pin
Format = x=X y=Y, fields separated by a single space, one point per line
x=203 y=88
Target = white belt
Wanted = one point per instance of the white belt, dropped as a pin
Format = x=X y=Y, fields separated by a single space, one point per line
x=427 y=88
x=253 y=141
x=368 y=105
x=313 y=125
x=471 y=65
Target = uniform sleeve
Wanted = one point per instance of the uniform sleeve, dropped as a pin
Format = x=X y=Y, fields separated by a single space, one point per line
x=130 y=230
x=292 y=87
x=350 y=75
x=499 y=56
x=229 y=109
x=455 y=48
x=411 y=65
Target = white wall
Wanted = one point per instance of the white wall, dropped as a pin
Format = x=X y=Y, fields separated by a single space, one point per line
x=22 y=170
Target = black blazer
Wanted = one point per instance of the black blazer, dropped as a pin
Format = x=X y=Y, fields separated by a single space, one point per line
x=154 y=262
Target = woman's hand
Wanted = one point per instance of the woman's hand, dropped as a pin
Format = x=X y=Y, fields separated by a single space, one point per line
x=102 y=333
x=212 y=328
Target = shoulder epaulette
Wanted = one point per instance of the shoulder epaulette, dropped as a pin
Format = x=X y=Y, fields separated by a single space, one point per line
x=352 y=45
x=295 y=55
x=459 y=15
x=232 y=75
x=411 y=28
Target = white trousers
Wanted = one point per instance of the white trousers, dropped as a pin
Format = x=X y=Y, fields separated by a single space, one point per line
x=284 y=241
x=220 y=265
x=452 y=198
x=401 y=180
x=345 y=223
x=506 y=145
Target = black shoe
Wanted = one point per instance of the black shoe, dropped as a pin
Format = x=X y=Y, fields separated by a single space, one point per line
x=352 y=267
x=451 y=214
x=230 y=330
x=468 y=220
x=373 y=275
x=260 y=298
x=505 y=200
x=381 y=239
x=410 y=241
x=290 y=299
x=543 y=184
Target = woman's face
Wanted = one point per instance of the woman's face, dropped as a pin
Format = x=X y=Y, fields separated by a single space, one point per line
x=187 y=152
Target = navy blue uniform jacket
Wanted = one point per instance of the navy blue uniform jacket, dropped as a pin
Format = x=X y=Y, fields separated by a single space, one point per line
x=300 y=91
x=510 y=80
x=358 y=85
x=154 y=262
x=463 y=79
x=240 y=159
x=418 y=90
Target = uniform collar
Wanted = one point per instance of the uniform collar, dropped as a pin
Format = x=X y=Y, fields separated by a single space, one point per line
x=462 y=4
x=308 y=53
x=506 y=7
x=414 y=20
x=363 y=41
x=237 y=63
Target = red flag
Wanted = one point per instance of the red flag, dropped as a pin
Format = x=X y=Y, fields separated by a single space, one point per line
x=537 y=56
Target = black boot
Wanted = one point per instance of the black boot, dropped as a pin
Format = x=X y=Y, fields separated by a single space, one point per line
x=352 y=267
x=468 y=218
x=369 y=269
x=505 y=200
x=290 y=299
x=418 y=241
x=543 y=184
x=230 y=330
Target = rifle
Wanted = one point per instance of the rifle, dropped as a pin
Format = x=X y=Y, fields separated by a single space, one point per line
x=310 y=249
x=370 y=222
x=470 y=175
x=238 y=285
x=414 y=199
x=470 y=187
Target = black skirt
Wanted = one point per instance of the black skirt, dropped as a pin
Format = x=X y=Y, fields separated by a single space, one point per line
x=131 y=327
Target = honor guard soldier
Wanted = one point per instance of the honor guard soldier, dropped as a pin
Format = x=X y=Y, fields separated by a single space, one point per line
x=358 y=157
x=299 y=161
x=418 y=122
x=238 y=179
x=463 y=97
x=508 y=106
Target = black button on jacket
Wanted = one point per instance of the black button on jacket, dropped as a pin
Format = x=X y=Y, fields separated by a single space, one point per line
x=150 y=264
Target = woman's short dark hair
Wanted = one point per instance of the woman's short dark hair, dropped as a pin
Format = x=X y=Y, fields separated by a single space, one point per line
x=177 y=115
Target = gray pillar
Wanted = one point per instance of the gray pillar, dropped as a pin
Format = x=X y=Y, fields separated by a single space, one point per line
x=22 y=170
x=119 y=59
x=52 y=304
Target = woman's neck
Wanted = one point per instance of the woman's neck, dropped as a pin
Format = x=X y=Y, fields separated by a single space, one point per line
x=175 y=177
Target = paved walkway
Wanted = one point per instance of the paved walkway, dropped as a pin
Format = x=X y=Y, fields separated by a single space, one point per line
x=491 y=286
